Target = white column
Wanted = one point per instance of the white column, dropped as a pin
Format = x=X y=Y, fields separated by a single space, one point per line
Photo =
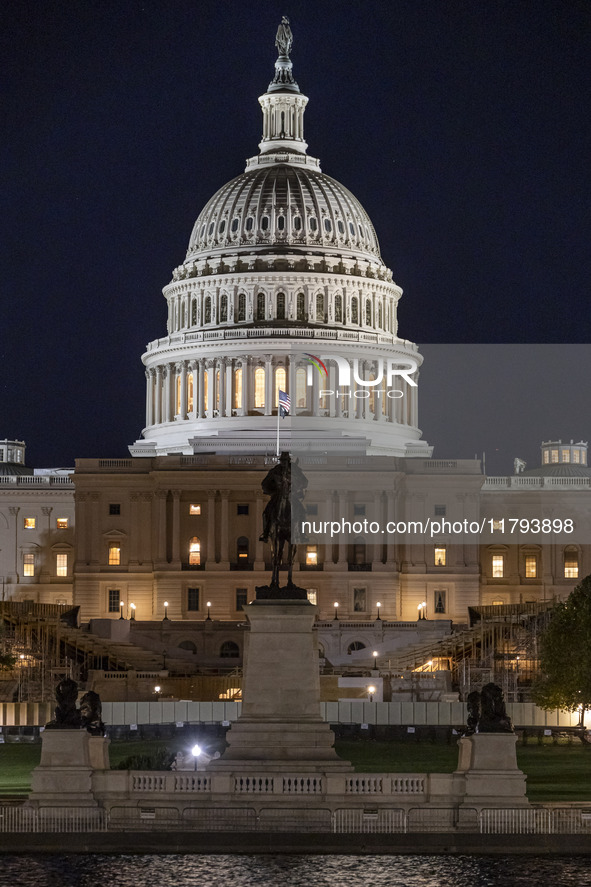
x=246 y=385
x=222 y=387
x=193 y=367
x=229 y=386
x=201 y=397
x=183 y=392
x=158 y=397
x=210 y=370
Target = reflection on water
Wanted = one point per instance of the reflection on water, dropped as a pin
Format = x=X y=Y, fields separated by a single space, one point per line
x=185 y=870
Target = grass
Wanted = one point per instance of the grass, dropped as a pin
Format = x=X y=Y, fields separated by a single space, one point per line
x=554 y=772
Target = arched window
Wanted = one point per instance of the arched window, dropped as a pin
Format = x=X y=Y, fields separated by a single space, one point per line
x=234 y=226
x=280 y=223
x=194 y=552
x=368 y=312
x=338 y=309
x=297 y=223
x=229 y=650
x=354 y=310
x=301 y=388
x=259 y=388
x=207 y=312
x=241 y=307
x=354 y=646
x=238 y=388
x=190 y=393
x=261 y=306
x=279 y=384
x=114 y=554
x=280 y=306
x=242 y=550
x=188 y=645
x=319 y=307
x=224 y=309
x=301 y=306
x=249 y=223
x=194 y=312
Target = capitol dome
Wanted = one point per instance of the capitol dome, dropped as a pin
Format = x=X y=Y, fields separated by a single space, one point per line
x=282 y=289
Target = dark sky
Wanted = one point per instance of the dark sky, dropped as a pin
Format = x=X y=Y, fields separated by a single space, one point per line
x=463 y=127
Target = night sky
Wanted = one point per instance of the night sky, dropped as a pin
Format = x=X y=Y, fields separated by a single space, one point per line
x=462 y=126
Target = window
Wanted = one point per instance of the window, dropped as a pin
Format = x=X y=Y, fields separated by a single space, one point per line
x=439 y=601
x=242 y=550
x=224 y=309
x=571 y=564
x=319 y=307
x=359 y=554
x=280 y=384
x=368 y=312
x=194 y=312
x=229 y=650
x=338 y=309
x=261 y=306
x=498 y=603
x=28 y=565
x=311 y=555
x=313 y=224
x=565 y=455
x=354 y=310
x=297 y=223
x=265 y=223
x=358 y=510
x=440 y=555
x=192 y=599
x=114 y=508
x=241 y=598
x=531 y=566
x=237 y=388
x=194 y=509
x=249 y=223
x=194 y=551
x=301 y=306
x=498 y=566
x=280 y=306
x=341 y=227
x=327 y=226
x=440 y=510
x=114 y=600
x=207 y=312
x=242 y=509
x=280 y=223
x=30 y=523
x=359 y=600
x=241 y=307
x=554 y=455
x=259 y=388
x=61 y=568
x=354 y=646
x=114 y=554
x=576 y=456
x=62 y=523
x=222 y=227
x=312 y=595
x=546 y=458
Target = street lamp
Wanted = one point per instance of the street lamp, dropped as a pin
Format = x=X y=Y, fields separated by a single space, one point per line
x=336 y=608
x=208 y=612
x=121 y=609
x=196 y=751
x=165 y=611
x=371 y=690
x=375 y=658
x=157 y=689
x=132 y=607
x=378 y=605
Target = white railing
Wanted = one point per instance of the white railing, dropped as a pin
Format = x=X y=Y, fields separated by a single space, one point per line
x=148 y=782
x=51 y=819
x=364 y=785
x=254 y=784
x=408 y=785
x=302 y=785
x=193 y=782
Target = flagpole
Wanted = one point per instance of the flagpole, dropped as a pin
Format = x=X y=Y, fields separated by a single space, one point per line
x=278 y=414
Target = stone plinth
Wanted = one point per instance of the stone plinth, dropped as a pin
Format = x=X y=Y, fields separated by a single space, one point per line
x=280 y=724
x=488 y=763
x=64 y=776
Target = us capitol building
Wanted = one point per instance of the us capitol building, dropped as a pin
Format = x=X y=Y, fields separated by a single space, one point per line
x=283 y=288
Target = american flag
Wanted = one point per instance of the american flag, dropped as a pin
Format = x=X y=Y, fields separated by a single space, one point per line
x=284 y=404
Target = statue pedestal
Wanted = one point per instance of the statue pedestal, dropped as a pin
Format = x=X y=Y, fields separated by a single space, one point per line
x=64 y=776
x=488 y=763
x=280 y=724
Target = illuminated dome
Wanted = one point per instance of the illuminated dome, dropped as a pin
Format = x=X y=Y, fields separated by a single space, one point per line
x=284 y=205
x=283 y=274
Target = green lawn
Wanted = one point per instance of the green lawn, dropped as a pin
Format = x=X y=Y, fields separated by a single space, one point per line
x=554 y=772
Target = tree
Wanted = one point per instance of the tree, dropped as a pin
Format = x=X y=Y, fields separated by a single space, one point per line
x=565 y=655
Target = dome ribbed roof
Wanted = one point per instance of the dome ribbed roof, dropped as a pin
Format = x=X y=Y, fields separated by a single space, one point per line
x=286 y=205
x=562 y=469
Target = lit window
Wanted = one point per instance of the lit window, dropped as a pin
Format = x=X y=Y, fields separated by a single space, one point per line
x=584 y=457
x=312 y=594
x=237 y=388
x=576 y=455
x=114 y=554
x=531 y=566
x=565 y=455
x=498 y=603
x=114 y=600
x=497 y=524
x=546 y=457
x=190 y=393
x=206 y=391
x=571 y=565
x=178 y=395
x=259 y=388
x=280 y=384
x=359 y=600
x=194 y=552
x=554 y=455
x=28 y=565
x=62 y=523
x=498 y=566
x=192 y=599
x=61 y=565
x=241 y=598
x=440 y=555
x=439 y=602
x=311 y=555
x=194 y=509
x=29 y=523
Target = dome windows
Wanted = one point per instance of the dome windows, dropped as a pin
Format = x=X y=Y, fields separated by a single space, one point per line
x=224 y=309
x=222 y=227
x=249 y=223
x=328 y=226
x=338 y=309
x=297 y=223
x=261 y=306
x=368 y=312
x=234 y=226
x=259 y=388
x=202 y=235
x=194 y=312
x=341 y=227
x=301 y=307
x=354 y=310
x=352 y=229
x=313 y=224
x=281 y=223
x=265 y=223
x=319 y=307
x=207 y=310
x=241 y=308
x=210 y=230
x=280 y=306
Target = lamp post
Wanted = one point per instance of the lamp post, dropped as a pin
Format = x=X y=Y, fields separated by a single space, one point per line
x=375 y=658
x=157 y=690
x=121 y=605
x=165 y=611
x=378 y=605
x=132 y=607
x=196 y=751
x=208 y=612
x=336 y=613
x=371 y=690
